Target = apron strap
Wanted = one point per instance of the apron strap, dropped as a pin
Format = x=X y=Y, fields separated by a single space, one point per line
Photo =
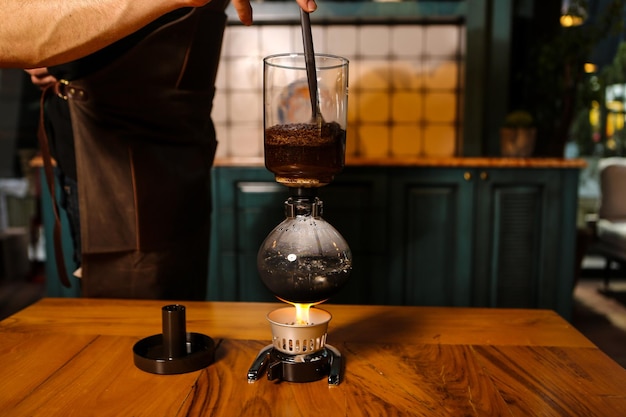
x=47 y=164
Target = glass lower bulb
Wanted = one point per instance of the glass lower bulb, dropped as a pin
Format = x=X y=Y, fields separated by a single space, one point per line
x=304 y=259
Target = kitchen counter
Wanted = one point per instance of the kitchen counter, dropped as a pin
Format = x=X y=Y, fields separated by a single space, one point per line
x=450 y=162
x=73 y=357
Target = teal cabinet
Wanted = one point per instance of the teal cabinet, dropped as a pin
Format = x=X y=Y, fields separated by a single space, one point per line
x=431 y=227
x=484 y=237
x=525 y=238
x=247 y=204
x=489 y=237
x=356 y=205
x=493 y=237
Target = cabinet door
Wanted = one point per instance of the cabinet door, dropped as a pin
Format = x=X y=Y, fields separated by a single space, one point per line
x=248 y=204
x=355 y=203
x=522 y=228
x=430 y=236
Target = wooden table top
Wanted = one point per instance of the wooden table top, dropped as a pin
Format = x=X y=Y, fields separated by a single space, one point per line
x=73 y=357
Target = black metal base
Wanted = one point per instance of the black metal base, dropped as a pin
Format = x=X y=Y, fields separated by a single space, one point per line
x=151 y=355
x=174 y=351
x=326 y=362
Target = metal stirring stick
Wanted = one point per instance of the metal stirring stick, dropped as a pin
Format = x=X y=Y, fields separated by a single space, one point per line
x=309 y=59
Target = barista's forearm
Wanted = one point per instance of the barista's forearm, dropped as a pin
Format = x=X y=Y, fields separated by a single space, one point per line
x=37 y=33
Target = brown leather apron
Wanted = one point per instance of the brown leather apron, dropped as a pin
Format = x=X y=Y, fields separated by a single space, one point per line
x=144 y=149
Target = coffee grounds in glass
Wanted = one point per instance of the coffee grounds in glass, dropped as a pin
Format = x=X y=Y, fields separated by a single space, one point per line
x=305 y=154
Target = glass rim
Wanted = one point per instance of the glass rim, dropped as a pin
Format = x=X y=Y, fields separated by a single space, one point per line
x=282 y=61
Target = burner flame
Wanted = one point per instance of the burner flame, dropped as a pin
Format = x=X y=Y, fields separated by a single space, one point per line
x=302 y=313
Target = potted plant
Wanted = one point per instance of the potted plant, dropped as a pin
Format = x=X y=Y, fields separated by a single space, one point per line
x=517 y=136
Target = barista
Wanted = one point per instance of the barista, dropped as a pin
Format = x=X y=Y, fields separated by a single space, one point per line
x=143 y=145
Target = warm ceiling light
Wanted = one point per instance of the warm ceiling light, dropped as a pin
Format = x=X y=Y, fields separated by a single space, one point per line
x=568 y=20
x=573 y=13
x=590 y=67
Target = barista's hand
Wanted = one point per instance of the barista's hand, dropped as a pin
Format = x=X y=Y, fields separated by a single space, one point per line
x=307 y=5
x=41 y=77
x=244 y=10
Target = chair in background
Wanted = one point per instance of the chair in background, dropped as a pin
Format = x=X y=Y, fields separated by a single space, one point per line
x=610 y=228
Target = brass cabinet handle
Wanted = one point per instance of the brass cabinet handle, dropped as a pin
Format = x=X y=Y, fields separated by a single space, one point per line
x=467 y=175
x=484 y=175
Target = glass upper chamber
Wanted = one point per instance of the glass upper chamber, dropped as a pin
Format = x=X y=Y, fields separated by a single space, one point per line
x=305 y=146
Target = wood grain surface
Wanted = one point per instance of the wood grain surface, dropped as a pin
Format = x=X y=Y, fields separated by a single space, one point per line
x=73 y=357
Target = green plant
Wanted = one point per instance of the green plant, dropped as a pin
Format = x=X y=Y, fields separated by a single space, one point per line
x=518 y=118
x=550 y=87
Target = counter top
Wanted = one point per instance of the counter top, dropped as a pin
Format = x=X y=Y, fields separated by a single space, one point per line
x=73 y=357
x=451 y=162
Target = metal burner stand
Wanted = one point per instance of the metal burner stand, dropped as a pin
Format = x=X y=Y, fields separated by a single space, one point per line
x=298 y=368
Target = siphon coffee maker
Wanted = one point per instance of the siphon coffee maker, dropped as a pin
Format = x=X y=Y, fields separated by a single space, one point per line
x=304 y=260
